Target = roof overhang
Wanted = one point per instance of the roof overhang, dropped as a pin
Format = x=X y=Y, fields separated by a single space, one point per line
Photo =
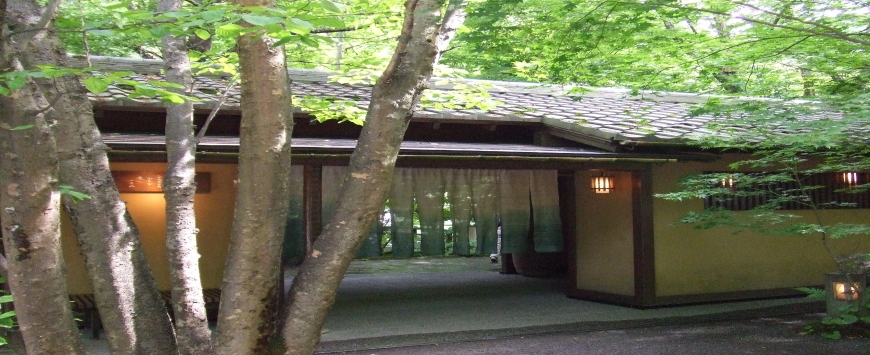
x=334 y=147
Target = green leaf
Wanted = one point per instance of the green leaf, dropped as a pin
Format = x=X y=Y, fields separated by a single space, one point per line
x=9 y=314
x=833 y=335
x=21 y=128
x=159 y=31
x=212 y=15
x=229 y=30
x=95 y=84
x=16 y=82
x=284 y=40
x=331 y=6
x=73 y=194
x=202 y=34
x=6 y=299
x=299 y=27
x=102 y=33
x=308 y=41
x=173 y=99
x=260 y=20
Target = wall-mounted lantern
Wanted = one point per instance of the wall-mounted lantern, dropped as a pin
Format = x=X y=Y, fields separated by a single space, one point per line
x=728 y=182
x=850 y=179
x=602 y=184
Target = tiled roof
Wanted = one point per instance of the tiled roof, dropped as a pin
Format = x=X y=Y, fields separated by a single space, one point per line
x=607 y=115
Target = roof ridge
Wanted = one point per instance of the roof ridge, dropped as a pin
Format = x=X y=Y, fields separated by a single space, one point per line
x=155 y=66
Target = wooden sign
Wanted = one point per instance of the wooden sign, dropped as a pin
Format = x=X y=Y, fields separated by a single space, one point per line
x=152 y=181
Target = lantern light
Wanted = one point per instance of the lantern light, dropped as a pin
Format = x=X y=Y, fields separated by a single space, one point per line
x=850 y=179
x=846 y=291
x=602 y=184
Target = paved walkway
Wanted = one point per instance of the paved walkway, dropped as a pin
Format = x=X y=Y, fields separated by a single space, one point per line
x=436 y=301
x=384 y=304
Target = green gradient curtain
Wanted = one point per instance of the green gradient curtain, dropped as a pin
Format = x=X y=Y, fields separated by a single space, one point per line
x=484 y=190
x=294 y=239
x=545 y=209
x=515 y=209
x=402 y=213
x=429 y=193
x=459 y=195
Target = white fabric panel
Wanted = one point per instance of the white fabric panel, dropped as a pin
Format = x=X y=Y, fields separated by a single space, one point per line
x=486 y=208
x=459 y=194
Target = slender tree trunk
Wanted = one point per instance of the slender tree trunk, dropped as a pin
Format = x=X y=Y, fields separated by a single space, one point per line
x=426 y=31
x=132 y=312
x=250 y=287
x=30 y=203
x=191 y=325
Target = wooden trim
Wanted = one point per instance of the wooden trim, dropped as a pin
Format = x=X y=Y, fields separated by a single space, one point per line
x=604 y=297
x=644 y=237
x=568 y=213
x=732 y=296
x=685 y=300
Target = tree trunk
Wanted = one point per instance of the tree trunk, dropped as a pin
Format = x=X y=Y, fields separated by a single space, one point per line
x=30 y=203
x=191 y=325
x=250 y=286
x=423 y=39
x=132 y=312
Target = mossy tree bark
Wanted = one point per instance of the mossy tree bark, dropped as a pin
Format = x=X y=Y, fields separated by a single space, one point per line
x=30 y=199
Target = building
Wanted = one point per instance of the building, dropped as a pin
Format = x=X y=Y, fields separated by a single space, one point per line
x=568 y=179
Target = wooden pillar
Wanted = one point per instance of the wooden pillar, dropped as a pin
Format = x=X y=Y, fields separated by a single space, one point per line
x=644 y=253
x=568 y=214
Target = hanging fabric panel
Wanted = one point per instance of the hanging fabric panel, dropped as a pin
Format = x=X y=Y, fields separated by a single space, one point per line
x=515 y=210
x=294 y=238
x=459 y=195
x=545 y=209
x=429 y=192
x=402 y=213
x=486 y=201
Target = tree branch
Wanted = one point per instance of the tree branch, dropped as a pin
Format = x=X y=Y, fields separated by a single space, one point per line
x=47 y=16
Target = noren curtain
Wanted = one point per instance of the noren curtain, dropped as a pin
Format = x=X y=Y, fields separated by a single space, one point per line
x=459 y=194
x=545 y=210
x=515 y=209
x=402 y=213
x=485 y=199
x=429 y=193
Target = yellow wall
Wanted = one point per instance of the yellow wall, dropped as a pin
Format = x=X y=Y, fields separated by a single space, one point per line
x=689 y=261
x=214 y=215
x=605 y=247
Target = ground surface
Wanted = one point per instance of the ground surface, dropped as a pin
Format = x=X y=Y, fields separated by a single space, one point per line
x=777 y=335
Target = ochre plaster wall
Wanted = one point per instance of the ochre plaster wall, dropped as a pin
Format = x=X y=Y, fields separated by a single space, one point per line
x=214 y=216
x=605 y=247
x=690 y=261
